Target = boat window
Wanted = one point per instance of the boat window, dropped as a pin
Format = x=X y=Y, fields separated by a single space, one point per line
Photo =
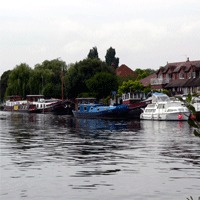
x=150 y=110
x=161 y=106
x=151 y=105
x=172 y=110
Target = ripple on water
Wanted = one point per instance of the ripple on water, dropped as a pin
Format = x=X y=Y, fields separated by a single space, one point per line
x=48 y=156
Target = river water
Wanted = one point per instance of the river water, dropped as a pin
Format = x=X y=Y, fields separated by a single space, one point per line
x=48 y=157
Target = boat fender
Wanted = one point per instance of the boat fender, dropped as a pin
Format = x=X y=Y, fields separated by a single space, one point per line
x=180 y=116
x=192 y=117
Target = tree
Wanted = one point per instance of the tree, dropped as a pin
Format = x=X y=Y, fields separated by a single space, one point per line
x=192 y=121
x=93 y=54
x=38 y=79
x=142 y=73
x=130 y=86
x=50 y=72
x=111 y=60
x=102 y=84
x=4 y=84
x=76 y=76
x=18 y=82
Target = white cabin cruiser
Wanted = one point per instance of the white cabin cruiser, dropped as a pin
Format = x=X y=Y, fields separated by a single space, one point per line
x=163 y=108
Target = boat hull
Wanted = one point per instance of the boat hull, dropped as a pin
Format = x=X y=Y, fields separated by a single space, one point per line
x=104 y=112
x=113 y=115
x=166 y=116
x=63 y=108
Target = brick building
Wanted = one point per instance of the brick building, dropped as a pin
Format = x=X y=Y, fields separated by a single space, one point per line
x=125 y=72
x=179 y=77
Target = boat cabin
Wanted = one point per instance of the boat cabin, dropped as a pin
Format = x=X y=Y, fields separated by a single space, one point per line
x=160 y=97
x=88 y=100
x=32 y=98
x=132 y=97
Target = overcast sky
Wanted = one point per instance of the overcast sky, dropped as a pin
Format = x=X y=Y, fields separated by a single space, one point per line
x=144 y=33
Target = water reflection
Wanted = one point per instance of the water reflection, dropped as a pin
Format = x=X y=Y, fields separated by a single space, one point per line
x=47 y=156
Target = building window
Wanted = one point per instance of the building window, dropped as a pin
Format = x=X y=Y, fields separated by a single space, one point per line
x=193 y=74
x=181 y=76
x=169 y=76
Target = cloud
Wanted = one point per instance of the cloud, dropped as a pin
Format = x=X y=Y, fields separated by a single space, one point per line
x=144 y=33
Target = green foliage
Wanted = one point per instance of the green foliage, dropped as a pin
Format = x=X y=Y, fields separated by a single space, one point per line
x=56 y=67
x=102 y=84
x=192 y=121
x=143 y=73
x=52 y=90
x=49 y=74
x=147 y=89
x=4 y=84
x=111 y=60
x=75 y=79
x=18 y=82
x=130 y=86
x=79 y=79
x=125 y=79
x=165 y=92
x=93 y=54
x=38 y=80
x=23 y=80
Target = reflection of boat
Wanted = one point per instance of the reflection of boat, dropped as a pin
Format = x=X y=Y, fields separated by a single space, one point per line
x=162 y=108
x=99 y=124
x=89 y=109
x=135 y=101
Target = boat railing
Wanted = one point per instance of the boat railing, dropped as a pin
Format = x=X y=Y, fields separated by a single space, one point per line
x=133 y=96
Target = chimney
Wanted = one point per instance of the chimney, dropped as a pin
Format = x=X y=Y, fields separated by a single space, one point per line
x=188 y=59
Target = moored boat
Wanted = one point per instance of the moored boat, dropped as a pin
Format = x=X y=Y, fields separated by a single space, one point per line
x=15 y=103
x=101 y=111
x=162 y=108
x=41 y=104
x=63 y=108
x=136 y=101
x=88 y=108
x=32 y=104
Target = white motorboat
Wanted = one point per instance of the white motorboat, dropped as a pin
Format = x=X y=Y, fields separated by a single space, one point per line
x=163 y=108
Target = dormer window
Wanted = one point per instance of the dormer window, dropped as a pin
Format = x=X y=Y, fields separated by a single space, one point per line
x=181 y=76
x=169 y=76
x=160 y=76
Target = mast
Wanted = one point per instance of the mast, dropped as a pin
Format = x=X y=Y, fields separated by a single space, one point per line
x=62 y=85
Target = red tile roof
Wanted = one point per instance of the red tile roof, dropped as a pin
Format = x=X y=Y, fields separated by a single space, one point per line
x=124 y=71
x=177 y=66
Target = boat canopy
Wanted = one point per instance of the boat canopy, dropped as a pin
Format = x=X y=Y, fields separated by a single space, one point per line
x=159 y=97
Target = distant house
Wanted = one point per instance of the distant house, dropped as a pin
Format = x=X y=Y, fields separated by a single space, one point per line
x=178 y=77
x=125 y=72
